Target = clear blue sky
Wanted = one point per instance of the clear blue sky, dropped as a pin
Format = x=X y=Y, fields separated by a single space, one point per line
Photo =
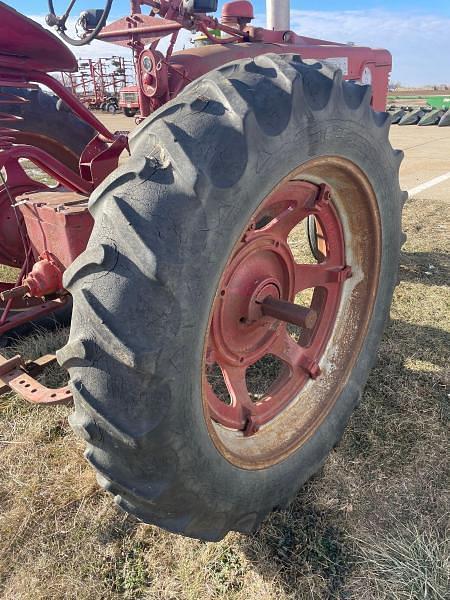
x=416 y=32
x=437 y=6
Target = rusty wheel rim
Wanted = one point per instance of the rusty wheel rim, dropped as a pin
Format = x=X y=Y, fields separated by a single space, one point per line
x=255 y=301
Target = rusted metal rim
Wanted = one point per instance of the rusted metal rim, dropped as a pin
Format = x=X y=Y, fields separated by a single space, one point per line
x=255 y=301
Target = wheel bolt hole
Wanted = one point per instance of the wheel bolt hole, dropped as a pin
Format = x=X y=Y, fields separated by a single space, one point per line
x=222 y=293
x=242 y=320
x=241 y=359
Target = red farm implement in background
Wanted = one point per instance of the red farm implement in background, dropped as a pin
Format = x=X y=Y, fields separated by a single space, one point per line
x=184 y=266
x=97 y=83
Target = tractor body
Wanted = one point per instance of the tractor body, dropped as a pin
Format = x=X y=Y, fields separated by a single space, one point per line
x=43 y=228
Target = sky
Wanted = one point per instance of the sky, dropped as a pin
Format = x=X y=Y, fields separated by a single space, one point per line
x=417 y=33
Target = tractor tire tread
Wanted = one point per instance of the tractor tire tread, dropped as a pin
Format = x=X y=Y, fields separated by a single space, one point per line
x=122 y=437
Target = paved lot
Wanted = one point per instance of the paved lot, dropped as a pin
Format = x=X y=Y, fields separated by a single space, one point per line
x=427 y=153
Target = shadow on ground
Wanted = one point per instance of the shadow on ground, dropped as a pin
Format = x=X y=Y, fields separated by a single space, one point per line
x=388 y=469
x=432 y=268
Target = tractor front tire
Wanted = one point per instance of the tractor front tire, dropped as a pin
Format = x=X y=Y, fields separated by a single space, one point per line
x=185 y=233
x=129 y=112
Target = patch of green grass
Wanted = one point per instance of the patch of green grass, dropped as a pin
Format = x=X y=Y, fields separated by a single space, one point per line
x=305 y=548
x=227 y=571
x=130 y=573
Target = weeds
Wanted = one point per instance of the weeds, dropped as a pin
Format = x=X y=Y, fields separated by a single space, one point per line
x=406 y=563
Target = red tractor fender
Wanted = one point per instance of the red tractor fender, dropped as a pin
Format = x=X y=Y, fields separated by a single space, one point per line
x=188 y=65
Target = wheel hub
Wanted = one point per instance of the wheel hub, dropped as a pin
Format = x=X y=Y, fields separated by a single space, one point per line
x=241 y=332
x=267 y=289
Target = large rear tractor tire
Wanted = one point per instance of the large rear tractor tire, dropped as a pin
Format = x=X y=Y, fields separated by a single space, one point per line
x=193 y=268
x=48 y=124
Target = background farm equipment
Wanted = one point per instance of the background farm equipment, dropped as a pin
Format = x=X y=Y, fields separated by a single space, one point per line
x=129 y=100
x=420 y=110
x=180 y=263
x=97 y=83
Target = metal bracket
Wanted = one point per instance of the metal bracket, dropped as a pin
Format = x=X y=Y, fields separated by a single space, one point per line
x=17 y=375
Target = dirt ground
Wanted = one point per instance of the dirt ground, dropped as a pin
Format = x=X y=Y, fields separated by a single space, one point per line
x=418 y=92
x=371 y=525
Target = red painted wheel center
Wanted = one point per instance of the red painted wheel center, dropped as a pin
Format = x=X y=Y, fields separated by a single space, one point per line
x=256 y=301
x=241 y=331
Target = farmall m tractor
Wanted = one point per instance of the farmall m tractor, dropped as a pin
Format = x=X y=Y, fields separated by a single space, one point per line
x=182 y=266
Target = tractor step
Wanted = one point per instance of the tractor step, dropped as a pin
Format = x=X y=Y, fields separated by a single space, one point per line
x=17 y=376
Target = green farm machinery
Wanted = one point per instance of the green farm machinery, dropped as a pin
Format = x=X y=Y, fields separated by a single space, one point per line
x=434 y=110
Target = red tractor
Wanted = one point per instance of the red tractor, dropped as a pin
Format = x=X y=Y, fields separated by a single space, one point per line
x=129 y=100
x=184 y=267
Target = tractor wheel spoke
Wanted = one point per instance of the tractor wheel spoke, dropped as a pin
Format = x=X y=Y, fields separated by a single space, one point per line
x=319 y=275
x=237 y=386
x=282 y=225
x=294 y=355
x=287 y=350
x=302 y=198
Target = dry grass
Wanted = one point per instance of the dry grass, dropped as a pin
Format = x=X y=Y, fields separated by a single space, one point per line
x=371 y=525
x=420 y=558
x=37 y=173
x=8 y=274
